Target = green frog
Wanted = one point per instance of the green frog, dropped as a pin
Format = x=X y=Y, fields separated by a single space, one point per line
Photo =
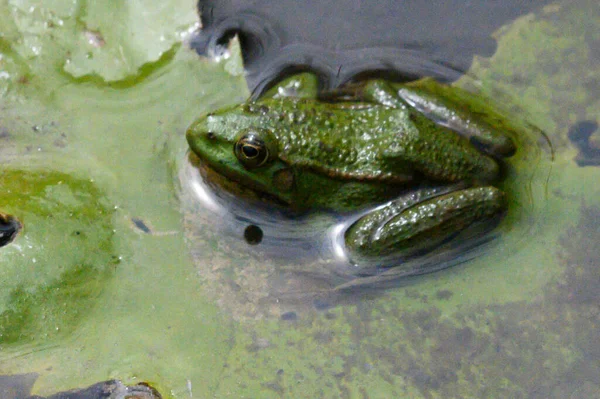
x=419 y=159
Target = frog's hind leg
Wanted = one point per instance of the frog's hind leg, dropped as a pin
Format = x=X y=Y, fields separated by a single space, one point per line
x=421 y=221
x=465 y=113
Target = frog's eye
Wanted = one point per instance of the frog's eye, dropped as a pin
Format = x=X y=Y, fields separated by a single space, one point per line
x=251 y=150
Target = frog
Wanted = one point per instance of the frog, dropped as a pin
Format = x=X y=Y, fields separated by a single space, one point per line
x=418 y=162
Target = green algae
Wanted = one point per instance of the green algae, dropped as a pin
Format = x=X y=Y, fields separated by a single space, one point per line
x=62 y=258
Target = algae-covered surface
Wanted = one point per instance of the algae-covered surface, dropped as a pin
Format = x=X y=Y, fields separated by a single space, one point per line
x=120 y=273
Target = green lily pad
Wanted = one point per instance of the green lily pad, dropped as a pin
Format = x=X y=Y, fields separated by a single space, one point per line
x=55 y=270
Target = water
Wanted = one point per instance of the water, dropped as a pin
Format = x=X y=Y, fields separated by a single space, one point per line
x=149 y=290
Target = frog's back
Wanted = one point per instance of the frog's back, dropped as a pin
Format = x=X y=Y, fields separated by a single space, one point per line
x=349 y=141
x=363 y=141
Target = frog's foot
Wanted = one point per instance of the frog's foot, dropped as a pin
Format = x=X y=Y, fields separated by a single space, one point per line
x=9 y=228
x=421 y=221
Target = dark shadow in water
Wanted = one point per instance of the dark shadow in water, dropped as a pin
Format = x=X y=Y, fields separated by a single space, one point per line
x=343 y=39
x=19 y=387
x=580 y=134
x=16 y=386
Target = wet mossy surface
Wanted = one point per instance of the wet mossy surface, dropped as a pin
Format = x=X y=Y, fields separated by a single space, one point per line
x=67 y=245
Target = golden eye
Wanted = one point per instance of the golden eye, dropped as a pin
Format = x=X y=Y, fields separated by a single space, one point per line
x=251 y=150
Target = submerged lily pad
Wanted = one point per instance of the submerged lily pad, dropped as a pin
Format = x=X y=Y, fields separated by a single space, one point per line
x=56 y=269
x=114 y=42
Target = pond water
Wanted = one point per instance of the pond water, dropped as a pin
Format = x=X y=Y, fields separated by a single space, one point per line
x=121 y=272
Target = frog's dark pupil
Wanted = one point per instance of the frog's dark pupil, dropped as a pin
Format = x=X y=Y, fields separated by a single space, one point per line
x=250 y=151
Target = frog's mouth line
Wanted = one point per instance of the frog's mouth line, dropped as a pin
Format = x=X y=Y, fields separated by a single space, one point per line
x=222 y=178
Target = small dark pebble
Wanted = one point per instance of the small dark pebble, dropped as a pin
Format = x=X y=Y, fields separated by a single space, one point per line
x=253 y=234
x=139 y=223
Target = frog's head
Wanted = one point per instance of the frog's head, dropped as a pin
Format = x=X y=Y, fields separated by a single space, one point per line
x=238 y=145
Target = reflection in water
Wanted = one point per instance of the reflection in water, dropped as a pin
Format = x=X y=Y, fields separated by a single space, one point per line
x=284 y=236
x=312 y=237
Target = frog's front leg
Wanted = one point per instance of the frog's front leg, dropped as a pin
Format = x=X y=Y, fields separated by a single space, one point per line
x=422 y=220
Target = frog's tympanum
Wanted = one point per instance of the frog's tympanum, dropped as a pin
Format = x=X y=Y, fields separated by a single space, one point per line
x=419 y=161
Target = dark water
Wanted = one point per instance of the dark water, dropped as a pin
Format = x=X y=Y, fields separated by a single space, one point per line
x=342 y=39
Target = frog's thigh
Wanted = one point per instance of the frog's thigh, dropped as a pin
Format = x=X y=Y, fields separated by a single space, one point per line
x=302 y=85
x=399 y=228
x=462 y=112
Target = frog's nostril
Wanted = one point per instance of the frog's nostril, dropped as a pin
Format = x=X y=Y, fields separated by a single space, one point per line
x=211 y=135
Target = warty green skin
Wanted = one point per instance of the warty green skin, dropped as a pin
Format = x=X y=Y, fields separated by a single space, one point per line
x=364 y=145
